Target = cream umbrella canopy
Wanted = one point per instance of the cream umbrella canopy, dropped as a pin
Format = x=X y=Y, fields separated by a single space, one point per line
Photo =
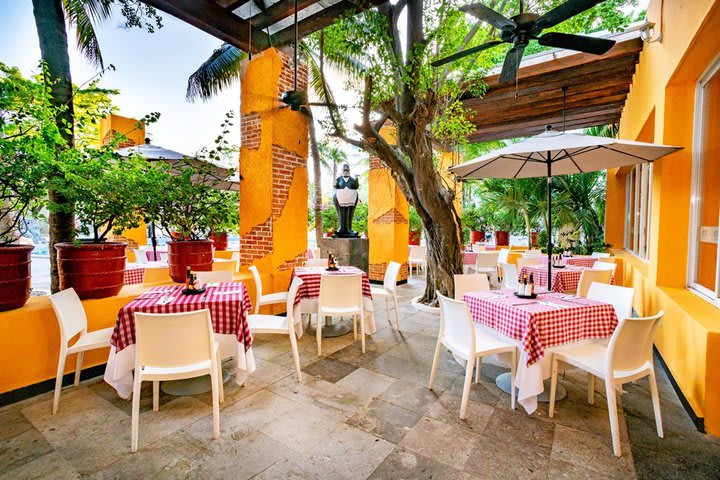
x=553 y=153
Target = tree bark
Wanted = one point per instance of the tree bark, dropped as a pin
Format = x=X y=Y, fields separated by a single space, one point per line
x=317 y=179
x=50 y=24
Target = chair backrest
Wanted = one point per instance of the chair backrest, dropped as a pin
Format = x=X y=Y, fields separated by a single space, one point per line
x=534 y=251
x=487 y=259
x=588 y=277
x=476 y=248
x=620 y=298
x=172 y=340
x=220 y=265
x=140 y=255
x=527 y=261
x=316 y=262
x=606 y=259
x=473 y=282
x=503 y=258
x=156 y=275
x=258 y=282
x=600 y=254
x=215 y=276
x=605 y=266
x=290 y=305
x=510 y=275
x=630 y=346
x=417 y=252
x=70 y=313
x=340 y=291
x=457 y=331
x=391 y=275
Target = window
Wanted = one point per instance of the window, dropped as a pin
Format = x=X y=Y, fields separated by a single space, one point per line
x=705 y=201
x=638 y=191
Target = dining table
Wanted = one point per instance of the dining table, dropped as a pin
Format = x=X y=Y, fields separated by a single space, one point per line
x=228 y=303
x=551 y=322
x=306 y=301
x=564 y=279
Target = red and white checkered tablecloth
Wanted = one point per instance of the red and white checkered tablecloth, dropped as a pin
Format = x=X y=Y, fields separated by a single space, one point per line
x=160 y=256
x=228 y=302
x=539 y=326
x=134 y=275
x=469 y=258
x=310 y=288
x=564 y=279
x=587 y=262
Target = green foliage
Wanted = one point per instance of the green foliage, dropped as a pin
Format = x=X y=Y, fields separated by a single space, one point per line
x=329 y=218
x=474 y=218
x=414 y=220
x=360 y=220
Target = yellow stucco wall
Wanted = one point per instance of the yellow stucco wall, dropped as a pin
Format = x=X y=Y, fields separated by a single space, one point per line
x=660 y=108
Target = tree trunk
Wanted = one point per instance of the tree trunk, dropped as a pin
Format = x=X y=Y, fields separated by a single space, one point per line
x=50 y=24
x=527 y=228
x=317 y=179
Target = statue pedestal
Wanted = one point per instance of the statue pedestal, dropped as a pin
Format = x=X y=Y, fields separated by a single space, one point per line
x=347 y=251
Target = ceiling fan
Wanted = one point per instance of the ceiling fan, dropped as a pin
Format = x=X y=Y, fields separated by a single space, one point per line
x=526 y=26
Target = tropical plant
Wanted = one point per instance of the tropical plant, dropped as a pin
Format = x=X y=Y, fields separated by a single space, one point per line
x=414 y=220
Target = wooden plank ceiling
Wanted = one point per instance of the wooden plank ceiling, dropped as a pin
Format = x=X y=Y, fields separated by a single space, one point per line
x=271 y=20
x=596 y=90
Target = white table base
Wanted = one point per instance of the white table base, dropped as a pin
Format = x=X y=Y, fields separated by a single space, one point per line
x=310 y=306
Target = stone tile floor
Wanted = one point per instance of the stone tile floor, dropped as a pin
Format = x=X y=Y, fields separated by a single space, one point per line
x=354 y=416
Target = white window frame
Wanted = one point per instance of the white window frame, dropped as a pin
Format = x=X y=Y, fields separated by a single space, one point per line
x=638 y=192
x=699 y=138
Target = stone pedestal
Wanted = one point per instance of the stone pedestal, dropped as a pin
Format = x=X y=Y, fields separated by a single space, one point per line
x=347 y=251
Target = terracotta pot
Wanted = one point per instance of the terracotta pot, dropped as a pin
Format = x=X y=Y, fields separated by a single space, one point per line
x=476 y=236
x=220 y=240
x=414 y=237
x=502 y=237
x=196 y=254
x=15 y=277
x=94 y=270
x=533 y=238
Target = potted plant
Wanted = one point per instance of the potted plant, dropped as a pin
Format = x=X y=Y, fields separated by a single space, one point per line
x=415 y=227
x=227 y=220
x=474 y=220
x=105 y=192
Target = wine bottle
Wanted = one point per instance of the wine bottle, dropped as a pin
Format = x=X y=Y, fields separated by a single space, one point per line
x=532 y=284
x=187 y=278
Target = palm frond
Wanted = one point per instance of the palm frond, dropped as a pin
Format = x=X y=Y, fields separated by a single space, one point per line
x=219 y=71
x=82 y=14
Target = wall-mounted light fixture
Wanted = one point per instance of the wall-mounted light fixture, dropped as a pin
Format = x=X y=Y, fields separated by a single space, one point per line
x=649 y=33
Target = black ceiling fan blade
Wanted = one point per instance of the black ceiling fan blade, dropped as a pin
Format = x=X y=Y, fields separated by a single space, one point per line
x=563 y=12
x=581 y=43
x=488 y=15
x=465 y=53
x=512 y=63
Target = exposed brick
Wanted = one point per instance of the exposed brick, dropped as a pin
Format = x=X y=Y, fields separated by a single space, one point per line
x=377 y=272
x=375 y=163
x=250 y=132
x=392 y=216
x=110 y=136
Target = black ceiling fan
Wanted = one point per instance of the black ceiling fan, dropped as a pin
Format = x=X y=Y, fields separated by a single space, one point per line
x=526 y=26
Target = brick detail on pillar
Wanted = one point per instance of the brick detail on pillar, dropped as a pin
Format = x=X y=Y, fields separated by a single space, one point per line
x=375 y=163
x=257 y=244
x=391 y=216
x=284 y=164
x=286 y=81
x=250 y=131
x=298 y=261
x=123 y=143
x=377 y=272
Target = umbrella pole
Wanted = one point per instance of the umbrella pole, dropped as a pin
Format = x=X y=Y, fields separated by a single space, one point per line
x=154 y=241
x=549 y=225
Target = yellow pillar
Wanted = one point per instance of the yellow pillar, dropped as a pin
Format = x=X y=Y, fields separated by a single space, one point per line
x=447 y=159
x=273 y=165
x=388 y=214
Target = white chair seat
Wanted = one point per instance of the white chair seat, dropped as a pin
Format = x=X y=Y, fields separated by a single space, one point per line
x=270 y=298
x=339 y=311
x=591 y=358
x=380 y=292
x=189 y=370
x=485 y=269
x=485 y=344
x=92 y=340
x=259 y=322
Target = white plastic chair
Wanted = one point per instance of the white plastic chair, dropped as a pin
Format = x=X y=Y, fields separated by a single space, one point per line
x=628 y=357
x=510 y=276
x=340 y=296
x=532 y=253
x=621 y=298
x=600 y=255
x=140 y=255
x=224 y=264
x=504 y=254
x=605 y=266
x=316 y=262
x=214 y=276
x=588 y=277
x=173 y=347
x=416 y=258
x=527 y=261
x=476 y=248
x=72 y=320
x=462 y=336
x=389 y=289
x=487 y=263
x=474 y=282
x=269 y=299
x=281 y=325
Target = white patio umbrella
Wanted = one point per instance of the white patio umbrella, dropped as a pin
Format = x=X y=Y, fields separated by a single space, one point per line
x=558 y=153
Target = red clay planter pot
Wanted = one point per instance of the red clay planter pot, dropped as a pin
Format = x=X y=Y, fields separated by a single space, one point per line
x=94 y=270
x=476 y=236
x=502 y=237
x=220 y=240
x=15 y=276
x=196 y=254
x=414 y=238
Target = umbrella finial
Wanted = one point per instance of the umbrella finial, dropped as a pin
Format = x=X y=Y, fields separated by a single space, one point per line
x=548 y=128
x=147 y=141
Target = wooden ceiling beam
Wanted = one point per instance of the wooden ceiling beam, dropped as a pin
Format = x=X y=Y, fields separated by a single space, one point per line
x=554 y=119
x=551 y=108
x=482 y=136
x=281 y=10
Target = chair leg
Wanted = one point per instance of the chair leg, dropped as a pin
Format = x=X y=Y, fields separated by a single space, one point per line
x=397 y=311
x=656 y=403
x=387 y=309
x=433 y=369
x=221 y=386
x=156 y=395
x=612 y=412
x=591 y=388
x=513 y=372
x=478 y=367
x=354 y=320
x=553 y=386
x=58 y=381
x=466 y=387
x=296 y=355
x=362 y=331
x=78 y=368
x=318 y=335
x=135 y=417
x=214 y=380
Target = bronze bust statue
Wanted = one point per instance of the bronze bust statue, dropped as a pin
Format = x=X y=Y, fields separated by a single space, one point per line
x=345 y=199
